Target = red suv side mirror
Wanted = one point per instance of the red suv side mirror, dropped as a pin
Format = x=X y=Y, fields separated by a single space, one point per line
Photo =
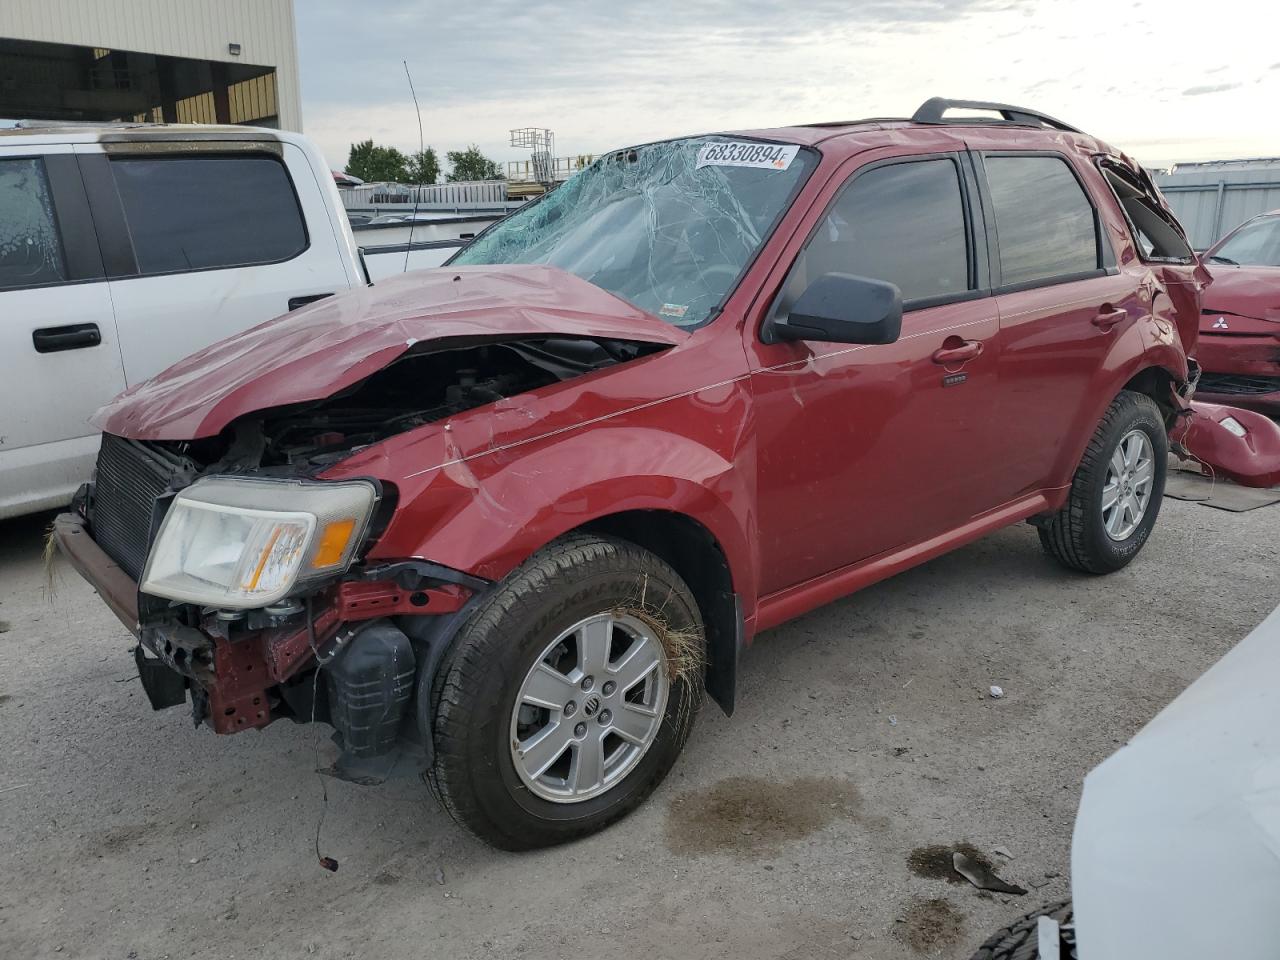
x=842 y=308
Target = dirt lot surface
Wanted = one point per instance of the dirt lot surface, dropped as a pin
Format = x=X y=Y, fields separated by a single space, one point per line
x=800 y=828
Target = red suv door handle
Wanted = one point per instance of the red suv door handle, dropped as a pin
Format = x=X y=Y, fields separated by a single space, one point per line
x=1108 y=317
x=966 y=350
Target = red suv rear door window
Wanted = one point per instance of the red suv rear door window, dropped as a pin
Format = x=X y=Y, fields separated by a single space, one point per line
x=1044 y=221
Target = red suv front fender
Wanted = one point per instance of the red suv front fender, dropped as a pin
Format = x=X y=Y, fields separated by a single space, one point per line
x=486 y=514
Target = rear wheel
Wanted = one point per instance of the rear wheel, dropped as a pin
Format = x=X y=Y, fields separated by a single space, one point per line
x=1116 y=492
x=568 y=696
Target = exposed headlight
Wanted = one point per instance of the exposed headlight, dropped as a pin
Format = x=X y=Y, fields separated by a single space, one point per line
x=239 y=542
x=1233 y=426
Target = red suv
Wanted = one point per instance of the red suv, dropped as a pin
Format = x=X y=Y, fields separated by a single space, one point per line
x=515 y=514
x=1240 y=323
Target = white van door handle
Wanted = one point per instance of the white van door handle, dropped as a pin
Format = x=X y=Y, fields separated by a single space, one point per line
x=73 y=337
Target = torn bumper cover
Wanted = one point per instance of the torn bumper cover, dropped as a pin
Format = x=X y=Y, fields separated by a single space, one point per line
x=1240 y=445
x=375 y=634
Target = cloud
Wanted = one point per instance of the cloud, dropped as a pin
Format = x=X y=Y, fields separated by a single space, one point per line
x=623 y=73
x=461 y=53
x=1166 y=151
x=1210 y=88
x=602 y=75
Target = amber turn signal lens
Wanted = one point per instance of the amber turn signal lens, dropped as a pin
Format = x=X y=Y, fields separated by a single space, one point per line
x=333 y=543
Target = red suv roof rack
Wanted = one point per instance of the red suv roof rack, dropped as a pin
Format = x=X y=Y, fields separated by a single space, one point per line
x=933 y=109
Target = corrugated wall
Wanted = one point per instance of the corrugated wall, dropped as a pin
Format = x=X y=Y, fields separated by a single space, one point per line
x=184 y=28
x=1213 y=199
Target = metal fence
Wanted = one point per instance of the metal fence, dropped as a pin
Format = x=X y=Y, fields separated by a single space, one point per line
x=547 y=169
x=1213 y=198
x=467 y=195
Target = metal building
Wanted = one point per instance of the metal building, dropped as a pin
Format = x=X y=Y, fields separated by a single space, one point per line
x=1214 y=197
x=193 y=61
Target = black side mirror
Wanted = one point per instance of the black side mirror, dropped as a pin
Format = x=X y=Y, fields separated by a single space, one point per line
x=842 y=308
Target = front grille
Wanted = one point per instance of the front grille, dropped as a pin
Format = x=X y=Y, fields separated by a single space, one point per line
x=1237 y=385
x=131 y=475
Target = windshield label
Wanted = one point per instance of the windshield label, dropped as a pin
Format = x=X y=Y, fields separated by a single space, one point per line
x=768 y=156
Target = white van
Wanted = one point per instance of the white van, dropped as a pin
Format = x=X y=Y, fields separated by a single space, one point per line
x=124 y=248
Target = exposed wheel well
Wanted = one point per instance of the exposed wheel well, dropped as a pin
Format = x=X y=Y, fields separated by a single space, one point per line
x=1158 y=384
x=695 y=554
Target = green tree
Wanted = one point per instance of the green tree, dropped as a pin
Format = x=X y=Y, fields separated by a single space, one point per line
x=471 y=164
x=423 y=167
x=372 y=163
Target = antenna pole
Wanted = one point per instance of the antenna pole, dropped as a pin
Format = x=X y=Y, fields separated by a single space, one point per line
x=422 y=148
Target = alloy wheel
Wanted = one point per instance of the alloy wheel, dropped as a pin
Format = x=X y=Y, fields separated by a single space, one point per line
x=1126 y=494
x=589 y=708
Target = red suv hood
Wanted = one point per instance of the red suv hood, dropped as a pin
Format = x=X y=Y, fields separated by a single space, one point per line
x=1243 y=291
x=314 y=352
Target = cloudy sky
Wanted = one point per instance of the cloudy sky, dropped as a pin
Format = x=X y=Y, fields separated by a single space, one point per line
x=1165 y=81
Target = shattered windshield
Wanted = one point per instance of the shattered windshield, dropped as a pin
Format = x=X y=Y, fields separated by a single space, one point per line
x=669 y=227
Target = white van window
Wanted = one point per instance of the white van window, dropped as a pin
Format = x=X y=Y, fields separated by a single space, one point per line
x=200 y=213
x=30 y=247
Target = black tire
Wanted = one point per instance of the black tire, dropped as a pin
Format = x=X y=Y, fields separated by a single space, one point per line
x=1020 y=940
x=1075 y=536
x=473 y=774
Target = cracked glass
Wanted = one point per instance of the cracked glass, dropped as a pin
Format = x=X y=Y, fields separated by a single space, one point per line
x=30 y=248
x=669 y=227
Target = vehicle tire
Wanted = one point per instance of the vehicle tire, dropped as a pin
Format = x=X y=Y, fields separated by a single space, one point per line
x=1116 y=492
x=1021 y=940
x=569 y=694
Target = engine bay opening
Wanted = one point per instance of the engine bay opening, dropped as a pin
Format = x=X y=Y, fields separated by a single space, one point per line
x=416 y=389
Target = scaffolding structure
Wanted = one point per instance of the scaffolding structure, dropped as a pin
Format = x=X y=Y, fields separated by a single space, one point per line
x=542 y=142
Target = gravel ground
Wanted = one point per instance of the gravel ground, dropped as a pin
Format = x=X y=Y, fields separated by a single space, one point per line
x=798 y=829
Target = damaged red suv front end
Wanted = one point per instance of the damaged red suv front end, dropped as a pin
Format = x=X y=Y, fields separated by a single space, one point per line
x=325 y=383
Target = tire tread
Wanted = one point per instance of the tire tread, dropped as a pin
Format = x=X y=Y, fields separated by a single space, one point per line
x=1020 y=940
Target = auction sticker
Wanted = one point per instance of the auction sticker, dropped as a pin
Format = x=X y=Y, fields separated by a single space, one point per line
x=767 y=156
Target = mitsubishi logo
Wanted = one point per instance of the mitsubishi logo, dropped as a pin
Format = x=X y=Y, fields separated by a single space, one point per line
x=1220 y=324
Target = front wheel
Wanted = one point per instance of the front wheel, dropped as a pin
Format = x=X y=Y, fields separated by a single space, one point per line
x=567 y=698
x=1116 y=492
